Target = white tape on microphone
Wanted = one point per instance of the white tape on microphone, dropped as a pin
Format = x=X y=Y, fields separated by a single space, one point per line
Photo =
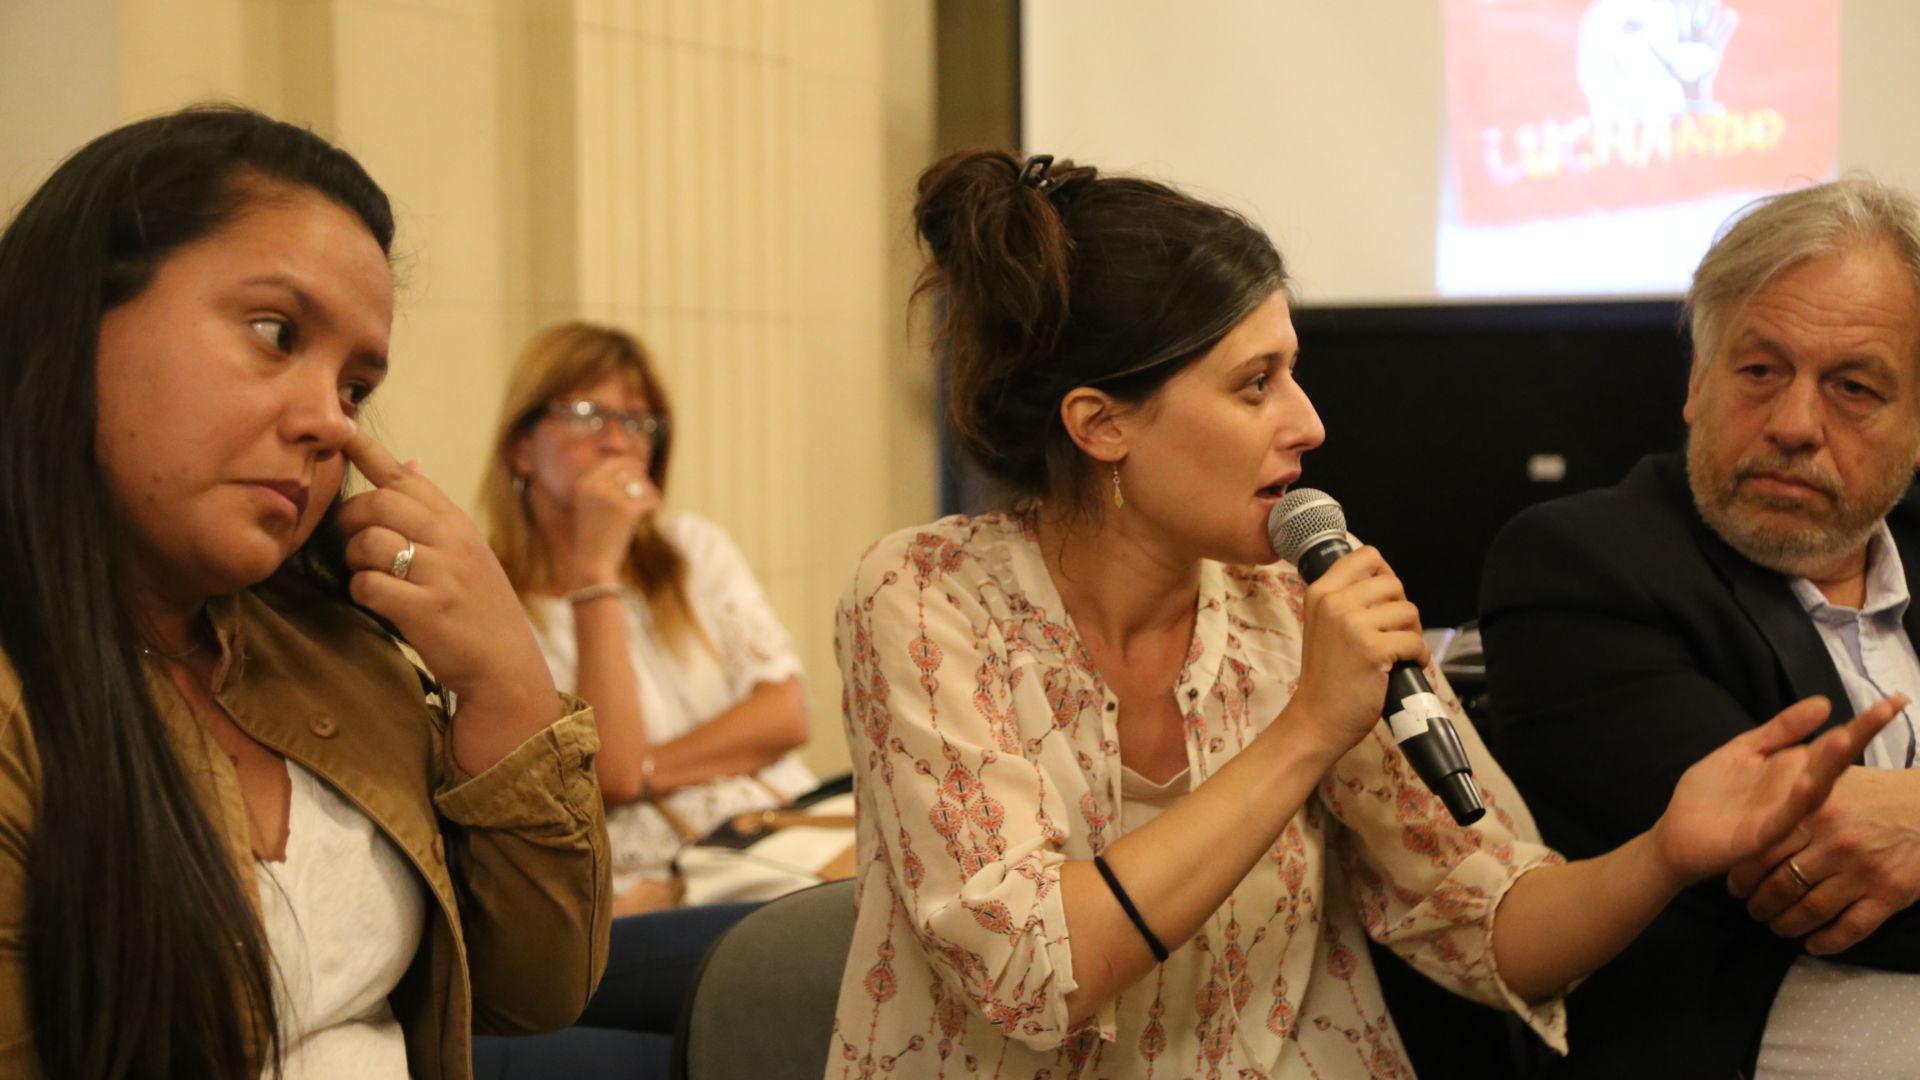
x=1417 y=712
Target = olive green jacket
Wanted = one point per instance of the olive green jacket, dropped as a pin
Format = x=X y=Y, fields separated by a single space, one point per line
x=515 y=858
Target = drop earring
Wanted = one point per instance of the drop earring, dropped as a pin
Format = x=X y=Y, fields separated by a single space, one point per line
x=1119 y=500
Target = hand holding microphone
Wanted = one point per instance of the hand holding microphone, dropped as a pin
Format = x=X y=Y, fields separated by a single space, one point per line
x=1309 y=529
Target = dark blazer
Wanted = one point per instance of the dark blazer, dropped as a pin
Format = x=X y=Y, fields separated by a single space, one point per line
x=1625 y=641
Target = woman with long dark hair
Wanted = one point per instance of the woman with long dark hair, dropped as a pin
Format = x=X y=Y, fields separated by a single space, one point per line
x=240 y=830
x=1127 y=806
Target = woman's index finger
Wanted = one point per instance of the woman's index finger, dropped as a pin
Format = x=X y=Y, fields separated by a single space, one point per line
x=374 y=461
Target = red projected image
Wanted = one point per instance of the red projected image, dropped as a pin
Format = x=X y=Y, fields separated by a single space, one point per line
x=1569 y=106
x=1561 y=110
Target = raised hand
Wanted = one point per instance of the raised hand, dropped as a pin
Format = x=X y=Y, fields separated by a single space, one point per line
x=609 y=503
x=1740 y=800
x=1694 y=44
x=422 y=564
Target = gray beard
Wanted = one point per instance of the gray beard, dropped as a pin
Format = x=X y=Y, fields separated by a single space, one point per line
x=1796 y=552
x=1791 y=552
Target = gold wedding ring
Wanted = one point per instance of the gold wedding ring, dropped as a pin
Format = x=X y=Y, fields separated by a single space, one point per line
x=1793 y=868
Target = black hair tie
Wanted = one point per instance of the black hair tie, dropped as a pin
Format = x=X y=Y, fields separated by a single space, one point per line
x=1126 y=903
x=1034 y=172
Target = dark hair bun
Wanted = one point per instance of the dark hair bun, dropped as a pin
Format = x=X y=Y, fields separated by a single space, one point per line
x=1066 y=278
x=1002 y=262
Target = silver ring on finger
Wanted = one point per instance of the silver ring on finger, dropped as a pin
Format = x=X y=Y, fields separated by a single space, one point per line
x=635 y=489
x=403 y=562
x=1794 y=871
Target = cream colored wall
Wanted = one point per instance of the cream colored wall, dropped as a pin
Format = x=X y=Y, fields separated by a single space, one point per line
x=727 y=178
x=742 y=203
x=58 y=87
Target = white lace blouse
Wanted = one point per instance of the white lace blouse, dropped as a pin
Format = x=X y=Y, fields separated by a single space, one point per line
x=680 y=690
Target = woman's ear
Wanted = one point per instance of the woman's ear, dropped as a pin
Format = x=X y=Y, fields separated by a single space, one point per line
x=1093 y=421
x=520 y=454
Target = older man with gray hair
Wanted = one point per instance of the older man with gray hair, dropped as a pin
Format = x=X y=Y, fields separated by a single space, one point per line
x=1631 y=630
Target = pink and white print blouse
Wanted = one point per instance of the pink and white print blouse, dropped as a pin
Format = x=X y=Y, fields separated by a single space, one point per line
x=985 y=756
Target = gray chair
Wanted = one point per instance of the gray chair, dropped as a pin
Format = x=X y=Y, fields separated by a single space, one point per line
x=762 y=1004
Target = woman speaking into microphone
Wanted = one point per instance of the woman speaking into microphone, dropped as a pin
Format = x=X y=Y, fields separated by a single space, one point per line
x=1126 y=803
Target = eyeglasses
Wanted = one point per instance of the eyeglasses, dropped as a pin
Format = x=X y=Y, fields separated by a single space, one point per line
x=587 y=418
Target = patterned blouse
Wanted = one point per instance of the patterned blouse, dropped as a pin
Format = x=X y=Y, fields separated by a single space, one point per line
x=985 y=756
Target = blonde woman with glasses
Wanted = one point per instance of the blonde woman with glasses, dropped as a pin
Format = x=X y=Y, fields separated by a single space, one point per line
x=652 y=616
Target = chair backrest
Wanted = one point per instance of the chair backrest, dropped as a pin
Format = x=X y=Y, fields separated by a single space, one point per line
x=762 y=1004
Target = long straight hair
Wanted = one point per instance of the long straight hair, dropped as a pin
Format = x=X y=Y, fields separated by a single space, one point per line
x=144 y=957
x=560 y=360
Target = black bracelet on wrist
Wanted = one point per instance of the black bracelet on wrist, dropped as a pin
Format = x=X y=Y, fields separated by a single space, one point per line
x=1126 y=904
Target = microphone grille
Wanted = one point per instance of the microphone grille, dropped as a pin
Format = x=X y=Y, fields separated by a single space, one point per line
x=1302 y=518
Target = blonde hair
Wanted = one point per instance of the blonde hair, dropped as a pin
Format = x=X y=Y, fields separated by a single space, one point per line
x=558 y=361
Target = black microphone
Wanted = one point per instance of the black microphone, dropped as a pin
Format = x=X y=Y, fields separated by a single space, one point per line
x=1309 y=530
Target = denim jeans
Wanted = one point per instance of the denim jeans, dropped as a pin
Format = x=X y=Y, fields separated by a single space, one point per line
x=627 y=1029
